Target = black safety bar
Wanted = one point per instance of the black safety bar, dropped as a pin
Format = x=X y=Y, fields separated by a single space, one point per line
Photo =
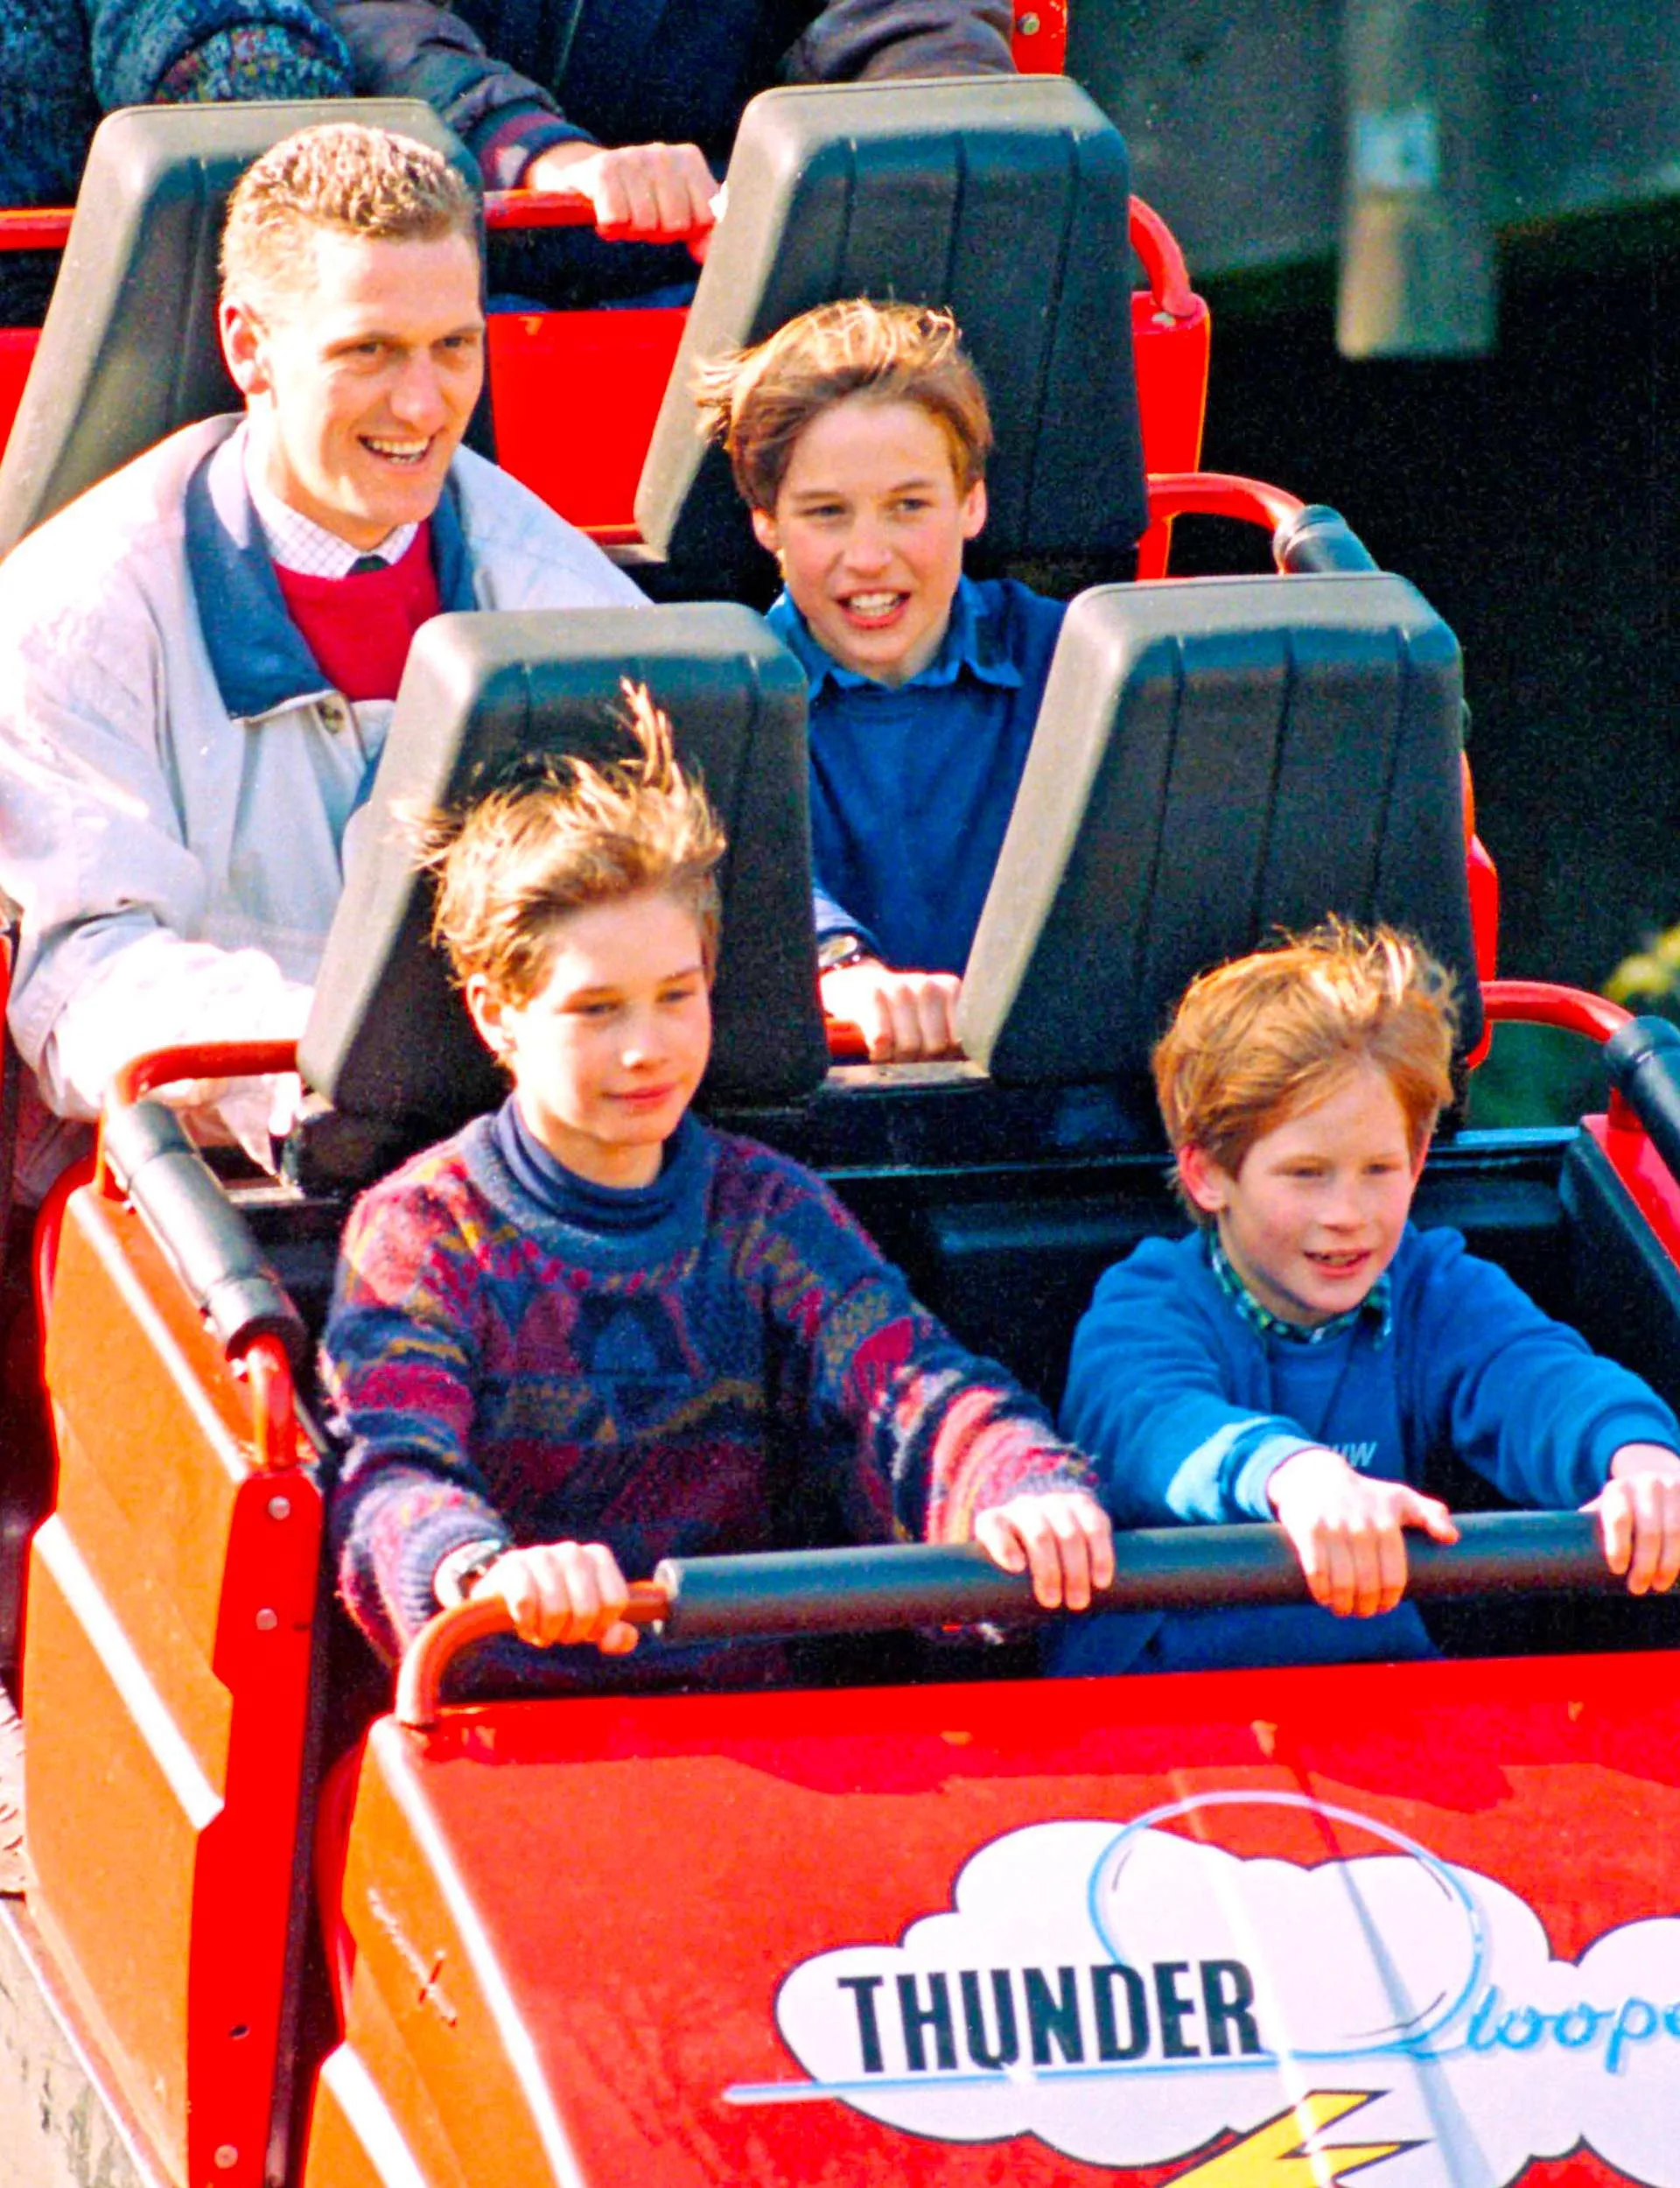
x=1643 y=1058
x=206 y=1241
x=1316 y=541
x=1157 y=1568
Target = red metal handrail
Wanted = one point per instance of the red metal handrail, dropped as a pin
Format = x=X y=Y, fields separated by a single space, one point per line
x=199 y=1060
x=1219 y=494
x=47 y=228
x=262 y=1362
x=1163 y=263
x=1545 y=1003
x=190 y=1060
x=274 y=1411
x=420 y=1676
x=867 y=1590
x=35 y=226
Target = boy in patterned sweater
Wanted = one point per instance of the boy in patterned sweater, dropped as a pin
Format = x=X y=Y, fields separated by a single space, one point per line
x=589 y=1332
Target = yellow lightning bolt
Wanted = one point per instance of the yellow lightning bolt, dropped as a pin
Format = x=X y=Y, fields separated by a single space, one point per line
x=1285 y=2152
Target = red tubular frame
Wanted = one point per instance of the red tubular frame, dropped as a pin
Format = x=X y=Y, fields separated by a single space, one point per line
x=420 y=1675
x=35 y=226
x=190 y=1060
x=1163 y=263
x=274 y=1412
x=47 y=228
x=1219 y=494
x=1572 y=1010
x=262 y=1362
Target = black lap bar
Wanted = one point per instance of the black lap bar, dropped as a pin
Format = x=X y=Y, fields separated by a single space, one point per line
x=206 y=1241
x=1156 y=1568
x=1644 y=1064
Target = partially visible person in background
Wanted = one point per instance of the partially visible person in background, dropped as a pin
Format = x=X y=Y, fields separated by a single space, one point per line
x=66 y=64
x=634 y=104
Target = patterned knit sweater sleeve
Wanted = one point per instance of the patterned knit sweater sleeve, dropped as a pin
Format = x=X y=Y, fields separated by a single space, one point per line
x=399 y=1361
x=925 y=1434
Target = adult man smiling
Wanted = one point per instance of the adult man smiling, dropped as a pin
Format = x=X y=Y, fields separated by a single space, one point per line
x=198 y=658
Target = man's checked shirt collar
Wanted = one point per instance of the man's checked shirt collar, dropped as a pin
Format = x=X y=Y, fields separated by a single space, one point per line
x=1377 y=1302
x=298 y=543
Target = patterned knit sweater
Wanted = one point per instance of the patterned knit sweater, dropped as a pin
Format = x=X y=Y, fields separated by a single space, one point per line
x=720 y=1361
x=63 y=64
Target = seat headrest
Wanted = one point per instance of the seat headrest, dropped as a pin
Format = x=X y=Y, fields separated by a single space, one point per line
x=389 y=1039
x=128 y=352
x=1215 y=759
x=1006 y=198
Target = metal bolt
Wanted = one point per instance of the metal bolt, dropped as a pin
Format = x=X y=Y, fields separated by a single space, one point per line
x=1027 y=26
x=266 y=1621
x=279 y=1508
x=227 y=2157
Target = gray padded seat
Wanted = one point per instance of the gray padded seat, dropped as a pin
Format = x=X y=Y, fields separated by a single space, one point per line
x=1006 y=198
x=1215 y=761
x=389 y=1042
x=129 y=353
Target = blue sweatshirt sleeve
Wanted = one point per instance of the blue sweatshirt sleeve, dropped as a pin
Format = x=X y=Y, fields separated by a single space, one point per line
x=1153 y=1394
x=1524 y=1399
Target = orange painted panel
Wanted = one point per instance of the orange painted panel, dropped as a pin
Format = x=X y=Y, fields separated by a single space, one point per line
x=113 y=1852
x=441 y=2049
x=167 y=1664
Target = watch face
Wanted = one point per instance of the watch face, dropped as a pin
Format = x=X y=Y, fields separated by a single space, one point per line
x=833 y=951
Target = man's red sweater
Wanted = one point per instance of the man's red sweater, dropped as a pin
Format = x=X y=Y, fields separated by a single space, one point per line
x=360 y=627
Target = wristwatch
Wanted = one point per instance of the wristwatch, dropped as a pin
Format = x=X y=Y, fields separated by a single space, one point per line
x=834 y=952
x=460 y=1572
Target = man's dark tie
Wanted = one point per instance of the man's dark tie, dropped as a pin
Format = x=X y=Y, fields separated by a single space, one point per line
x=365 y=565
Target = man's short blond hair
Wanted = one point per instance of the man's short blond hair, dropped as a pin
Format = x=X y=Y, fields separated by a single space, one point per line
x=1256 y=1041
x=570 y=834
x=757 y=402
x=344 y=178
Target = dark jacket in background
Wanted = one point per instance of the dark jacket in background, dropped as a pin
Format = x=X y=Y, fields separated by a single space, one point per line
x=63 y=64
x=512 y=77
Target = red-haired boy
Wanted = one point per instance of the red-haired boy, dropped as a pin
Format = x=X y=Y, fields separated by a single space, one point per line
x=1307 y=1351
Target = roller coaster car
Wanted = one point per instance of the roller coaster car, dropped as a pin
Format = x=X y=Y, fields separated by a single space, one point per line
x=1420 y=1921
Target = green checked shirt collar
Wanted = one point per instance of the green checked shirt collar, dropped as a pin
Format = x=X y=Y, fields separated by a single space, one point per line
x=1377 y=1302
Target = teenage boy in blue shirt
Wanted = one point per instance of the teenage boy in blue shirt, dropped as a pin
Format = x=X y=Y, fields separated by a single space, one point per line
x=858 y=434
x=1305 y=1351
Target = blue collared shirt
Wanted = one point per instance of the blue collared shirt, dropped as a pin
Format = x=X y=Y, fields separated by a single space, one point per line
x=913 y=784
x=1377 y=1303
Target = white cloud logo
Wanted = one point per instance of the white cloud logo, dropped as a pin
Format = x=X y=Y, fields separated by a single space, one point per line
x=1128 y=1994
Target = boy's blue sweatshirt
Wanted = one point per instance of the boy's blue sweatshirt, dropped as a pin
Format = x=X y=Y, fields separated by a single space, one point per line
x=913 y=784
x=1187 y=1409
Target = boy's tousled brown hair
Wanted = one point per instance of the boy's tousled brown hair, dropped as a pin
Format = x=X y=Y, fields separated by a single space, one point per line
x=343 y=177
x=1257 y=1040
x=757 y=402
x=567 y=835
